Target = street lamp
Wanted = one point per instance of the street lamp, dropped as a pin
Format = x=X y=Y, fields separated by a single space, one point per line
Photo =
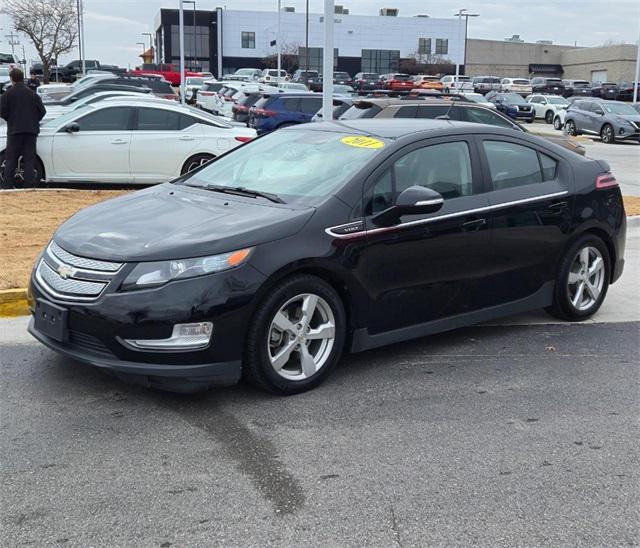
x=150 y=38
x=461 y=13
x=143 y=48
x=194 y=30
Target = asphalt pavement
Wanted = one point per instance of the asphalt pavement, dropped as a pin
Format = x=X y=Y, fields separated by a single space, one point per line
x=496 y=435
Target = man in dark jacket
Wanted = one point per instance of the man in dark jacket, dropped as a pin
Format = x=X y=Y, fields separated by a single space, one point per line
x=22 y=109
x=33 y=82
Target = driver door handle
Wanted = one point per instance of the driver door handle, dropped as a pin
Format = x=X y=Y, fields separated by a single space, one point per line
x=186 y=138
x=119 y=142
x=474 y=226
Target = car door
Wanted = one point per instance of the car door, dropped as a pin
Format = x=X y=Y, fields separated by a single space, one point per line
x=162 y=141
x=531 y=205
x=538 y=103
x=589 y=117
x=427 y=267
x=98 y=151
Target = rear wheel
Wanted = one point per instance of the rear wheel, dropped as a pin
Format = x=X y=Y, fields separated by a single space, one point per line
x=19 y=177
x=582 y=280
x=296 y=336
x=557 y=124
x=548 y=117
x=570 y=128
x=607 y=134
x=195 y=162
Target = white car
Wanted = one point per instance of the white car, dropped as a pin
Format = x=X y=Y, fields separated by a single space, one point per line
x=53 y=111
x=521 y=86
x=270 y=76
x=479 y=98
x=192 y=86
x=547 y=106
x=247 y=74
x=463 y=85
x=123 y=141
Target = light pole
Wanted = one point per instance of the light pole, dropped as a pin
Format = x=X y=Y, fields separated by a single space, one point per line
x=327 y=61
x=150 y=38
x=635 y=82
x=81 y=37
x=306 y=40
x=193 y=40
x=181 y=27
x=278 y=43
x=461 y=13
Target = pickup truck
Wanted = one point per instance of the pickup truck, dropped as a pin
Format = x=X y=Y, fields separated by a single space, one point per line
x=71 y=71
x=166 y=70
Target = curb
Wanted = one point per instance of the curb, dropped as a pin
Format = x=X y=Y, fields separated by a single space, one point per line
x=13 y=302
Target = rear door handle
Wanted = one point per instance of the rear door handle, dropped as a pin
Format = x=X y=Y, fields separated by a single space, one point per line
x=474 y=226
x=186 y=138
x=557 y=207
x=119 y=142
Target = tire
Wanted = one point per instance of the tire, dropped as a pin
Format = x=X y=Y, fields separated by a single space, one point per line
x=548 y=117
x=607 y=134
x=274 y=352
x=567 y=304
x=195 y=162
x=570 y=128
x=557 y=124
x=39 y=172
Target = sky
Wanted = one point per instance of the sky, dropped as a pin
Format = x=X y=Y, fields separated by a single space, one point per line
x=112 y=27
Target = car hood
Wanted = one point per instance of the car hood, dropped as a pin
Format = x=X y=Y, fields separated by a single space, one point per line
x=629 y=117
x=173 y=222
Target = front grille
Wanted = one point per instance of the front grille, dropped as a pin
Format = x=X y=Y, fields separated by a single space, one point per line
x=87 y=342
x=68 y=286
x=83 y=262
x=69 y=277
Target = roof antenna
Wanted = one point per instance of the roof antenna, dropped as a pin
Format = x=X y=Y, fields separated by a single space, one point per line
x=446 y=116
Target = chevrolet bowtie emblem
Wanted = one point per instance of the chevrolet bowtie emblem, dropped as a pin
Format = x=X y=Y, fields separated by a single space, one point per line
x=66 y=271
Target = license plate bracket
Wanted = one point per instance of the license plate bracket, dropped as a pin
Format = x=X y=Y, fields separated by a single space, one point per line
x=51 y=320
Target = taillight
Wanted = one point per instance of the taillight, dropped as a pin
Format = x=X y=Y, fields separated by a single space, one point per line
x=243 y=139
x=606 y=180
x=206 y=93
x=264 y=112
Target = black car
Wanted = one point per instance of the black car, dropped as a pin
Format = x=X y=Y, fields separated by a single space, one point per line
x=342 y=78
x=513 y=105
x=272 y=260
x=364 y=81
x=625 y=91
x=576 y=88
x=310 y=78
x=93 y=89
x=547 y=86
x=605 y=90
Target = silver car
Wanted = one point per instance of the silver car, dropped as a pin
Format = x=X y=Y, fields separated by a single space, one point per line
x=611 y=120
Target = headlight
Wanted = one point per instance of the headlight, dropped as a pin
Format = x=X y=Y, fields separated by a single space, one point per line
x=159 y=273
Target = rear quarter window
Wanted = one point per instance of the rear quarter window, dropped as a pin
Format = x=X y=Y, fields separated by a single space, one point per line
x=355 y=112
x=513 y=165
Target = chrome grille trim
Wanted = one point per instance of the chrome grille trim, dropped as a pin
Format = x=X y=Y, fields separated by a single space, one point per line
x=68 y=289
x=82 y=262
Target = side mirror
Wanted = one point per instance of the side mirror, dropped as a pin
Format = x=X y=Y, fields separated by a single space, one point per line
x=600 y=112
x=414 y=200
x=72 y=128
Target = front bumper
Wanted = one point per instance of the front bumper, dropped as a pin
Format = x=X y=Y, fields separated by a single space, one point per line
x=95 y=332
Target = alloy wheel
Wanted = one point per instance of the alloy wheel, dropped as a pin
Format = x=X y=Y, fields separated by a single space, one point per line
x=556 y=123
x=607 y=134
x=197 y=163
x=548 y=117
x=571 y=128
x=301 y=337
x=586 y=278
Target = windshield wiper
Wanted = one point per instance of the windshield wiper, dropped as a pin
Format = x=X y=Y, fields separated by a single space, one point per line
x=243 y=191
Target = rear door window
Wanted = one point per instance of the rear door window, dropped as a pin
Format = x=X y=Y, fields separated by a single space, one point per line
x=513 y=165
x=310 y=104
x=106 y=119
x=155 y=119
x=484 y=116
x=408 y=111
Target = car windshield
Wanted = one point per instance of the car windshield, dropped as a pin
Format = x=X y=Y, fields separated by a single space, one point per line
x=302 y=166
x=515 y=98
x=521 y=82
x=401 y=77
x=245 y=71
x=557 y=100
x=195 y=81
x=475 y=97
x=4 y=71
x=369 y=76
x=619 y=108
x=65 y=118
x=342 y=75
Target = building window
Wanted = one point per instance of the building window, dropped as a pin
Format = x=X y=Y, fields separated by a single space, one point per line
x=200 y=41
x=380 y=61
x=442 y=46
x=424 y=45
x=315 y=58
x=249 y=40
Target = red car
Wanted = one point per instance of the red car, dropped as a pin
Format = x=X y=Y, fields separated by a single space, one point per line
x=166 y=70
x=397 y=81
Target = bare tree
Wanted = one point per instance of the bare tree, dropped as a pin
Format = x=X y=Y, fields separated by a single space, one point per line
x=50 y=24
x=288 y=57
x=426 y=63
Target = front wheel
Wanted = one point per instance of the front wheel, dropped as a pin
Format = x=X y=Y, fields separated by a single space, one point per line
x=607 y=134
x=38 y=172
x=582 y=280
x=296 y=336
x=570 y=128
x=548 y=117
x=557 y=124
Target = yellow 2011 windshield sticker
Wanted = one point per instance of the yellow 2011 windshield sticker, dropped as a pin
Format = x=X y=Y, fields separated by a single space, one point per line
x=361 y=141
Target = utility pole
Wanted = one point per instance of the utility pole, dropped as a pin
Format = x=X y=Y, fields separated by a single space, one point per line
x=306 y=40
x=462 y=13
x=13 y=41
x=327 y=62
x=181 y=25
x=79 y=41
x=81 y=37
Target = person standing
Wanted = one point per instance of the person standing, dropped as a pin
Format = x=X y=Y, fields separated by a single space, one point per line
x=33 y=82
x=22 y=109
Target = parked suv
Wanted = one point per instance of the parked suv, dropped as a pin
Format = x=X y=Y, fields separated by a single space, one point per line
x=366 y=81
x=342 y=78
x=449 y=83
x=310 y=78
x=513 y=105
x=485 y=84
x=612 y=120
x=273 y=111
x=605 y=90
x=397 y=81
x=576 y=87
x=625 y=91
x=450 y=109
x=244 y=102
x=547 y=86
x=516 y=85
x=547 y=106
